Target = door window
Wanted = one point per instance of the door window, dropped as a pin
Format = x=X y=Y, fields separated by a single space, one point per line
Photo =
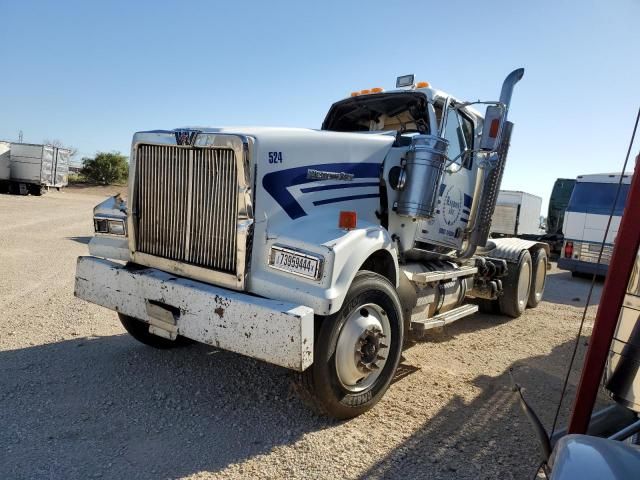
x=459 y=132
x=454 y=133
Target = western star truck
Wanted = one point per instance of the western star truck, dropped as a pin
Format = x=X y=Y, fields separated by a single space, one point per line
x=321 y=251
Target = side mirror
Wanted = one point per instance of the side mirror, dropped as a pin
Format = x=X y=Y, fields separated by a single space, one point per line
x=491 y=128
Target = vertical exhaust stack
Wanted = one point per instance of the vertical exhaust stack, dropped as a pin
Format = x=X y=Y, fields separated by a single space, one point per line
x=494 y=146
x=496 y=115
x=490 y=178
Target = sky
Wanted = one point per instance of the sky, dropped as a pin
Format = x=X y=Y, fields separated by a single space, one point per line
x=92 y=73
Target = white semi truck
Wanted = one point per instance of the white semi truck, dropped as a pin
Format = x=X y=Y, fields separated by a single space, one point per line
x=318 y=250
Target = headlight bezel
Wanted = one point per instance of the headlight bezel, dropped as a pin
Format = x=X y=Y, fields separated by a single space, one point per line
x=104 y=225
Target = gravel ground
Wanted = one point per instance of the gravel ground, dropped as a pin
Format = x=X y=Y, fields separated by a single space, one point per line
x=81 y=399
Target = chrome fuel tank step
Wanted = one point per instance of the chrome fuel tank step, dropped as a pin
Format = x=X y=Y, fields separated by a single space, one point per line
x=419 y=326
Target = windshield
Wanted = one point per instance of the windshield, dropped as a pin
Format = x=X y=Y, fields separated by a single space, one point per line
x=590 y=197
x=558 y=204
x=561 y=193
x=404 y=112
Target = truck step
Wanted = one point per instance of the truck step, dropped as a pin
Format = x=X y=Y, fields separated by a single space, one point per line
x=437 y=276
x=443 y=319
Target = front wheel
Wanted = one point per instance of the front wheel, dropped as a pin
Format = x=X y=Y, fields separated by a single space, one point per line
x=357 y=349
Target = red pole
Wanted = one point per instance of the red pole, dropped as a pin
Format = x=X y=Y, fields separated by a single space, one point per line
x=615 y=288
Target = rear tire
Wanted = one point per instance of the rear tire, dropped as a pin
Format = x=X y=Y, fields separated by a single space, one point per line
x=367 y=332
x=538 y=277
x=516 y=287
x=140 y=331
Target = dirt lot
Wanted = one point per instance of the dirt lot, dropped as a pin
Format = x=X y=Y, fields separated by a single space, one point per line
x=81 y=399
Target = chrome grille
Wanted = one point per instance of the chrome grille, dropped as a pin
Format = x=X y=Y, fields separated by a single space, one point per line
x=187 y=205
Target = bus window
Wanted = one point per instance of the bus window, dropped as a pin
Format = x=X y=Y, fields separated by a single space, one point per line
x=597 y=198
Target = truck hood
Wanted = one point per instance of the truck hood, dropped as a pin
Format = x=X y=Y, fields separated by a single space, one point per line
x=298 y=170
x=259 y=132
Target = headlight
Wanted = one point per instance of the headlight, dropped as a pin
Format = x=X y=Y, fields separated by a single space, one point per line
x=116 y=227
x=105 y=225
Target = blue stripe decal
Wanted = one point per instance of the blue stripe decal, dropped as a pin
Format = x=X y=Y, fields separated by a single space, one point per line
x=345 y=199
x=467 y=200
x=342 y=185
x=277 y=183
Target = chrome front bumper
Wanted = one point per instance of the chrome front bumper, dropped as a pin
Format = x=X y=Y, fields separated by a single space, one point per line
x=275 y=332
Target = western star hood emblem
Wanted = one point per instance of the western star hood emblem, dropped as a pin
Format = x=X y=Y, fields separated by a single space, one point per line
x=320 y=175
x=186 y=137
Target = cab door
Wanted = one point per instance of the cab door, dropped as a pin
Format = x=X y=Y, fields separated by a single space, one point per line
x=456 y=190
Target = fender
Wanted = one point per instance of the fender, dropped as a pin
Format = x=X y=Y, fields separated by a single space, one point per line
x=343 y=252
x=352 y=250
x=509 y=248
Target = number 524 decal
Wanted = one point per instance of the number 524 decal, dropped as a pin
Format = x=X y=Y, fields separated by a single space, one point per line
x=275 y=157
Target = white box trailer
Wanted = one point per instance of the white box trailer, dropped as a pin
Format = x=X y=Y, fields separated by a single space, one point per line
x=516 y=214
x=34 y=167
x=5 y=161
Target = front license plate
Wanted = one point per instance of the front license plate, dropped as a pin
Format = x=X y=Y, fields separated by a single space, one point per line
x=295 y=262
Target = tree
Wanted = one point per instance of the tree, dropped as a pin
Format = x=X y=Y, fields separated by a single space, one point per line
x=105 y=168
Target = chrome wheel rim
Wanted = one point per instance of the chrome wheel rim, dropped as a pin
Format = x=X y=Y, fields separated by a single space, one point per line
x=362 y=348
x=524 y=285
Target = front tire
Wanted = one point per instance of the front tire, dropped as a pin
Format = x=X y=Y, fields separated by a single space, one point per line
x=357 y=350
x=140 y=331
x=516 y=287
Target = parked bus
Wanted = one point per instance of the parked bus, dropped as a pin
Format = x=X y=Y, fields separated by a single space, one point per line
x=585 y=222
